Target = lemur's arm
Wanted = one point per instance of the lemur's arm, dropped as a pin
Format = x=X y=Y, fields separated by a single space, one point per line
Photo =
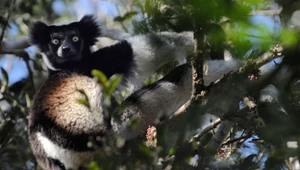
x=137 y=57
x=153 y=50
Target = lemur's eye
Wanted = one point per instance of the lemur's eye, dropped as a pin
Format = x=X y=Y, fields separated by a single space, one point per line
x=55 y=41
x=75 y=39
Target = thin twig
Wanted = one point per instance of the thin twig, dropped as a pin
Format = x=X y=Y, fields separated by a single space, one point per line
x=208 y=128
x=236 y=139
x=30 y=74
x=20 y=105
x=7 y=18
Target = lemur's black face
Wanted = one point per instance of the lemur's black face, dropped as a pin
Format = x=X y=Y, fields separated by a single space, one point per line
x=63 y=45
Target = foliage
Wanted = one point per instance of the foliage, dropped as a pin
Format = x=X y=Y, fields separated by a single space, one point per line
x=225 y=25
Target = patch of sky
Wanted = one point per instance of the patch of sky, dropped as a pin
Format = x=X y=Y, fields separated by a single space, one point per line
x=263 y=31
x=58 y=7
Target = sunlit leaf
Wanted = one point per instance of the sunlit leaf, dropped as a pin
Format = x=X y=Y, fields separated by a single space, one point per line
x=172 y=151
x=113 y=83
x=84 y=102
x=5 y=78
x=127 y=16
x=93 y=166
x=100 y=76
x=288 y=37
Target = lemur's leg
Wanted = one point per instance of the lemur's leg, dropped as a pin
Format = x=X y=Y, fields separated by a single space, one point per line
x=153 y=102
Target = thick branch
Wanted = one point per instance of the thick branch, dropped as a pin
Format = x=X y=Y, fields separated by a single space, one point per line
x=19 y=53
x=223 y=96
x=14 y=45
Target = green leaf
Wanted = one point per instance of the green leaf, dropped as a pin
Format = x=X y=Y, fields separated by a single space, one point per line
x=288 y=37
x=172 y=151
x=127 y=16
x=113 y=83
x=118 y=19
x=100 y=76
x=93 y=166
x=4 y=77
x=83 y=102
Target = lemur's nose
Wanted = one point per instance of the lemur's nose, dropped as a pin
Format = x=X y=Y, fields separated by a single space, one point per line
x=66 y=48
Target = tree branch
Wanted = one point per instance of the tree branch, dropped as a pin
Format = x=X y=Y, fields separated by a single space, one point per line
x=14 y=45
x=19 y=53
x=223 y=96
x=237 y=139
x=208 y=128
x=268 y=12
x=220 y=135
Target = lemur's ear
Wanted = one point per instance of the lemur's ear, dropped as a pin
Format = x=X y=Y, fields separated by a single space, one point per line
x=39 y=34
x=90 y=29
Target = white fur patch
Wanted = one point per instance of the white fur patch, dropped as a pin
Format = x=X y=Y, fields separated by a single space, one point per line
x=59 y=52
x=151 y=51
x=216 y=69
x=70 y=159
x=48 y=63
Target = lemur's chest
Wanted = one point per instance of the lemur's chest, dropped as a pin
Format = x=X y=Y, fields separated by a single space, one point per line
x=73 y=103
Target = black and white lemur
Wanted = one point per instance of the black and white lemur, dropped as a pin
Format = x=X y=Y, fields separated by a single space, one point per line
x=60 y=127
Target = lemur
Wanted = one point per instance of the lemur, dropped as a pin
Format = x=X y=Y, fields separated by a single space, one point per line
x=60 y=127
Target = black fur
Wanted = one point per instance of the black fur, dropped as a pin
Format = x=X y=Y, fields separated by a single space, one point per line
x=39 y=35
x=43 y=124
x=89 y=29
x=57 y=163
x=116 y=59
